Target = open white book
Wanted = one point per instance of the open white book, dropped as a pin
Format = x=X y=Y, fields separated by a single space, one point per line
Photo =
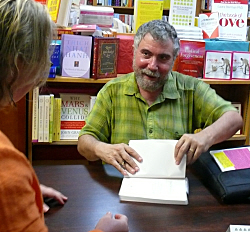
x=159 y=180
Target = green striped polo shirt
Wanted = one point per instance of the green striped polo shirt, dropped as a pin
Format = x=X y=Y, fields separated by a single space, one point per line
x=120 y=113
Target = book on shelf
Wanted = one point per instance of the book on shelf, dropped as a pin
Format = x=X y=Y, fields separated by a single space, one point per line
x=218 y=65
x=56 y=55
x=51 y=117
x=238 y=228
x=240 y=67
x=191 y=57
x=159 y=179
x=125 y=54
x=92 y=102
x=232 y=159
x=64 y=13
x=57 y=119
x=209 y=23
x=105 y=54
x=87 y=29
x=46 y=118
x=232 y=18
x=147 y=10
x=74 y=111
x=53 y=7
x=182 y=13
x=76 y=55
x=35 y=94
x=101 y=16
x=41 y=106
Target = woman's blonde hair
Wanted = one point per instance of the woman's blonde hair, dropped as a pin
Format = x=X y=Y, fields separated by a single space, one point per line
x=26 y=31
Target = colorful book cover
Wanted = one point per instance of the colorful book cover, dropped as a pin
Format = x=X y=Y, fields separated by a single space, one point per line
x=240 y=67
x=57 y=119
x=147 y=10
x=105 y=54
x=191 y=57
x=74 y=111
x=182 y=12
x=232 y=18
x=125 y=54
x=218 y=65
x=76 y=55
x=56 y=56
x=209 y=23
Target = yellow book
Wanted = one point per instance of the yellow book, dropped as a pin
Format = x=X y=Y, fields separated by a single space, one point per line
x=51 y=117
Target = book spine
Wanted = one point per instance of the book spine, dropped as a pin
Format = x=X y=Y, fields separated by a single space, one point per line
x=95 y=58
x=35 y=115
x=51 y=117
x=46 y=117
x=41 y=118
x=58 y=120
x=92 y=102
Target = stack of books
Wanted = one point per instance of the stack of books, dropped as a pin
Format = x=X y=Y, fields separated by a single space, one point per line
x=189 y=32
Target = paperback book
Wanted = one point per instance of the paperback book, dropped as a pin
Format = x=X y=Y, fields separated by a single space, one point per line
x=240 y=68
x=232 y=159
x=76 y=55
x=105 y=54
x=191 y=57
x=218 y=65
x=74 y=111
x=159 y=180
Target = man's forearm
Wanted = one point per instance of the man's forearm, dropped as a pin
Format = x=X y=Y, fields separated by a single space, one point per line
x=87 y=147
x=224 y=128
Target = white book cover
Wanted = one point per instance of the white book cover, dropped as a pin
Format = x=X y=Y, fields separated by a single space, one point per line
x=238 y=228
x=46 y=118
x=74 y=111
x=159 y=179
x=232 y=18
x=35 y=114
x=64 y=13
x=41 y=118
x=240 y=67
x=182 y=12
x=92 y=102
x=218 y=65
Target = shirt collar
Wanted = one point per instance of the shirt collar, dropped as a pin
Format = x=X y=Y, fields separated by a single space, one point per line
x=169 y=90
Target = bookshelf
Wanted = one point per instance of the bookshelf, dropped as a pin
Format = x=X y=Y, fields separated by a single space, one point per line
x=232 y=90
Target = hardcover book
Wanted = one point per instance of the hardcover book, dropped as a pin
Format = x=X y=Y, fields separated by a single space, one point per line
x=218 y=65
x=240 y=67
x=232 y=18
x=191 y=57
x=74 y=111
x=76 y=55
x=125 y=54
x=105 y=54
x=56 y=56
x=159 y=179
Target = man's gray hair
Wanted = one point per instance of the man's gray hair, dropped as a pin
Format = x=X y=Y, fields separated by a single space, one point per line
x=160 y=30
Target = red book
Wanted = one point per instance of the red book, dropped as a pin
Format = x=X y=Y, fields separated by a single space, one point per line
x=105 y=54
x=42 y=1
x=125 y=54
x=191 y=57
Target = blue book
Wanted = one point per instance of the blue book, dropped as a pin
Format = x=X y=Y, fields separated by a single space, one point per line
x=56 y=56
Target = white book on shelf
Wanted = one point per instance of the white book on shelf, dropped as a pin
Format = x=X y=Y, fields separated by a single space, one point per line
x=159 y=179
x=41 y=118
x=46 y=118
x=35 y=114
x=238 y=228
x=64 y=13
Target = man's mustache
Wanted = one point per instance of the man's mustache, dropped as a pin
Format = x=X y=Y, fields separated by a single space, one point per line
x=150 y=73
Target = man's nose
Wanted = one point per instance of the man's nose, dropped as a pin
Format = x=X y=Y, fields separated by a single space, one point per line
x=153 y=64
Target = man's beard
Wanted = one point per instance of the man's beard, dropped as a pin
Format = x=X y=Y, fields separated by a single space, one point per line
x=146 y=84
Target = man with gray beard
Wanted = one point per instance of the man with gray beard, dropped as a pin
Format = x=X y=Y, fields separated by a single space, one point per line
x=155 y=103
